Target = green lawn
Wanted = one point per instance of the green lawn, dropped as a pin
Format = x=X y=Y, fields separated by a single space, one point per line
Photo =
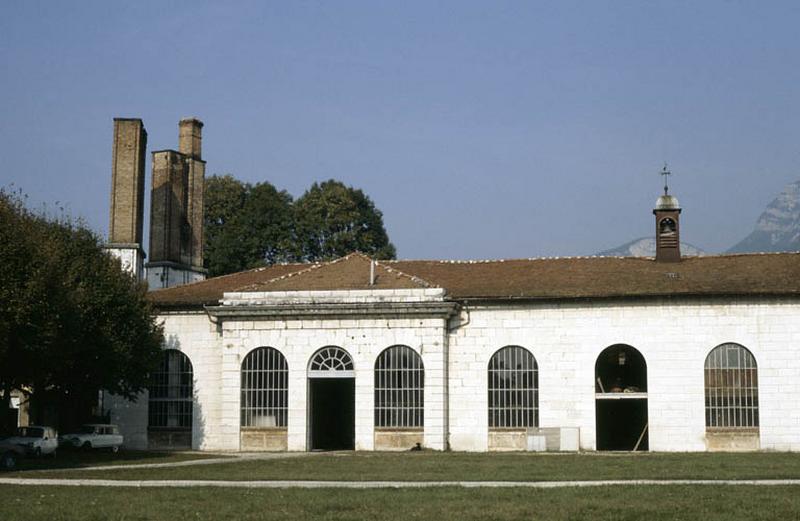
x=447 y=466
x=708 y=503
x=70 y=459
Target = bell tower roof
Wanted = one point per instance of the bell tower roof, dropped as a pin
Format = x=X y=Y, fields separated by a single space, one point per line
x=667 y=202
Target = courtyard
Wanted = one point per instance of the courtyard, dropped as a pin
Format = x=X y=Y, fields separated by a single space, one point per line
x=421 y=485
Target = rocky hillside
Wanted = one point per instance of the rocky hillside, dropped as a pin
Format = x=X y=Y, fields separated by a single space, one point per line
x=778 y=228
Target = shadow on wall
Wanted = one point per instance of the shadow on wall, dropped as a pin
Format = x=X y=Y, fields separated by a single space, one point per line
x=198 y=421
x=171 y=233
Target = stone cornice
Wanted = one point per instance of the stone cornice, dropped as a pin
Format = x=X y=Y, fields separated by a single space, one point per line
x=440 y=309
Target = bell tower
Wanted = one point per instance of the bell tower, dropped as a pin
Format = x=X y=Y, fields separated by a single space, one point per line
x=667 y=212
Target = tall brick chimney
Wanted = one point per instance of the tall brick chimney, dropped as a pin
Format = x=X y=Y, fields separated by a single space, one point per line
x=127 y=194
x=176 y=210
x=190 y=136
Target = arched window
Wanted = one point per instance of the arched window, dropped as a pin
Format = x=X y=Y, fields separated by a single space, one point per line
x=265 y=384
x=399 y=388
x=513 y=388
x=170 y=402
x=731 y=385
x=332 y=362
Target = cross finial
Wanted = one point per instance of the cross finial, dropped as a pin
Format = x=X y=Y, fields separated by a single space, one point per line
x=665 y=173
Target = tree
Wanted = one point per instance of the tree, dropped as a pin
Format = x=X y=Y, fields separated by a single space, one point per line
x=72 y=321
x=332 y=220
x=223 y=249
x=246 y=225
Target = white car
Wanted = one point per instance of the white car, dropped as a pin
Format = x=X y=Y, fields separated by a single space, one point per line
x=95 y=436
x=37 y=440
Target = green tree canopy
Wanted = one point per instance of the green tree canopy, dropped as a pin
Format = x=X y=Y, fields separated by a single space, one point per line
x=333 y=220
x=248 y=225
x=72 y=321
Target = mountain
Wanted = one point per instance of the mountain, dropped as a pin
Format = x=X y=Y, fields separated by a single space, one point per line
x=778 y=228
x=646 y=247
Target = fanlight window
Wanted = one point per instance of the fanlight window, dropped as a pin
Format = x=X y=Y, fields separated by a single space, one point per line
x=265 y=385
x=513 y=389
x=731 y=388
x=170 y=401
x=399 y=388
x=332 y=360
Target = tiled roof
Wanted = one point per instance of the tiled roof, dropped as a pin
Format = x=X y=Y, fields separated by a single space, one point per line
x=603 y=277
x=210 y=291
x=350 y=272
x=547 y=278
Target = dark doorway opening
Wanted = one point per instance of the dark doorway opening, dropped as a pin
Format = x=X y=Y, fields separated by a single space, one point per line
x=620 y=381
x=621 y=424
x=332 y=413
x=620 y=369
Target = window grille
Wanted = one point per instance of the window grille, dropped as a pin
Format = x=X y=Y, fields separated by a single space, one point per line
x=170 y=401
x=265 y=384
x=332 y=362
x=731 y=387
x=513 y=389
x=399 y=388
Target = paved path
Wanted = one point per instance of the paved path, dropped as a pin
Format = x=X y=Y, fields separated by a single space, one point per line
x=384 y=484
x=232 y=458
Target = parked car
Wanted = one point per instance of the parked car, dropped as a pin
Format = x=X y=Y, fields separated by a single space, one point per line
x=10 y=453
x=94 y=436
x=36 y=440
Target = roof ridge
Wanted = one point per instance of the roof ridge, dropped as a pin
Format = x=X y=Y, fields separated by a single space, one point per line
x=572 y=257
x=313 y=266
x=489 y=261
x=413 y=278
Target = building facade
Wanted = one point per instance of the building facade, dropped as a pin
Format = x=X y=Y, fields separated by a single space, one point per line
x=586 y=353
x=294 y=357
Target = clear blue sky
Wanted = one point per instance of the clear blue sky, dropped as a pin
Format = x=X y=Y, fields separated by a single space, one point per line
x=480 y=129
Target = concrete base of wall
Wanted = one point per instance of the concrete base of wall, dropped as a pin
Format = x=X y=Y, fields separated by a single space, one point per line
x=169 y=440
x=508 y=439
x=263 y=439
x=733 y=440
x=394 y=439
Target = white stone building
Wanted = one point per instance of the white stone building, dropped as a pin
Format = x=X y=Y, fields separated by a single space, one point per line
x=542 y=353
x=591 y=353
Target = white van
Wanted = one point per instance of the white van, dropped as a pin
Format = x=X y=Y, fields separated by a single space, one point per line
x=95 y=436
x=37 y=440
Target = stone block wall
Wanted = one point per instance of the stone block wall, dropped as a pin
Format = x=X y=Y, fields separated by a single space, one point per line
x=674 y=336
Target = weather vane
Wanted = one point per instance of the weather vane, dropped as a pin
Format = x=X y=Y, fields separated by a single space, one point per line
x=665 y=173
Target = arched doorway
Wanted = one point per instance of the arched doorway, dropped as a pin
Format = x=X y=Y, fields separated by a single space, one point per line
x=621 y=399
x=331 y=400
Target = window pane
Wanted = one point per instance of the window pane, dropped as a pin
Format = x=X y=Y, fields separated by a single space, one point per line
x=513 y=388
x=171 y=393
x=731 y=387
x=399 y=388
x=264 y=393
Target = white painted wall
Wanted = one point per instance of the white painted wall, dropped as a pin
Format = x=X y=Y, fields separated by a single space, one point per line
x=167 y=276
x=674 y=336
x=131 y=258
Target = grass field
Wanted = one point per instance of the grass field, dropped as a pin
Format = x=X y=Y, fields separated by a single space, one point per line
x=70 y=459
x=448 y=466
x=708 y=503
